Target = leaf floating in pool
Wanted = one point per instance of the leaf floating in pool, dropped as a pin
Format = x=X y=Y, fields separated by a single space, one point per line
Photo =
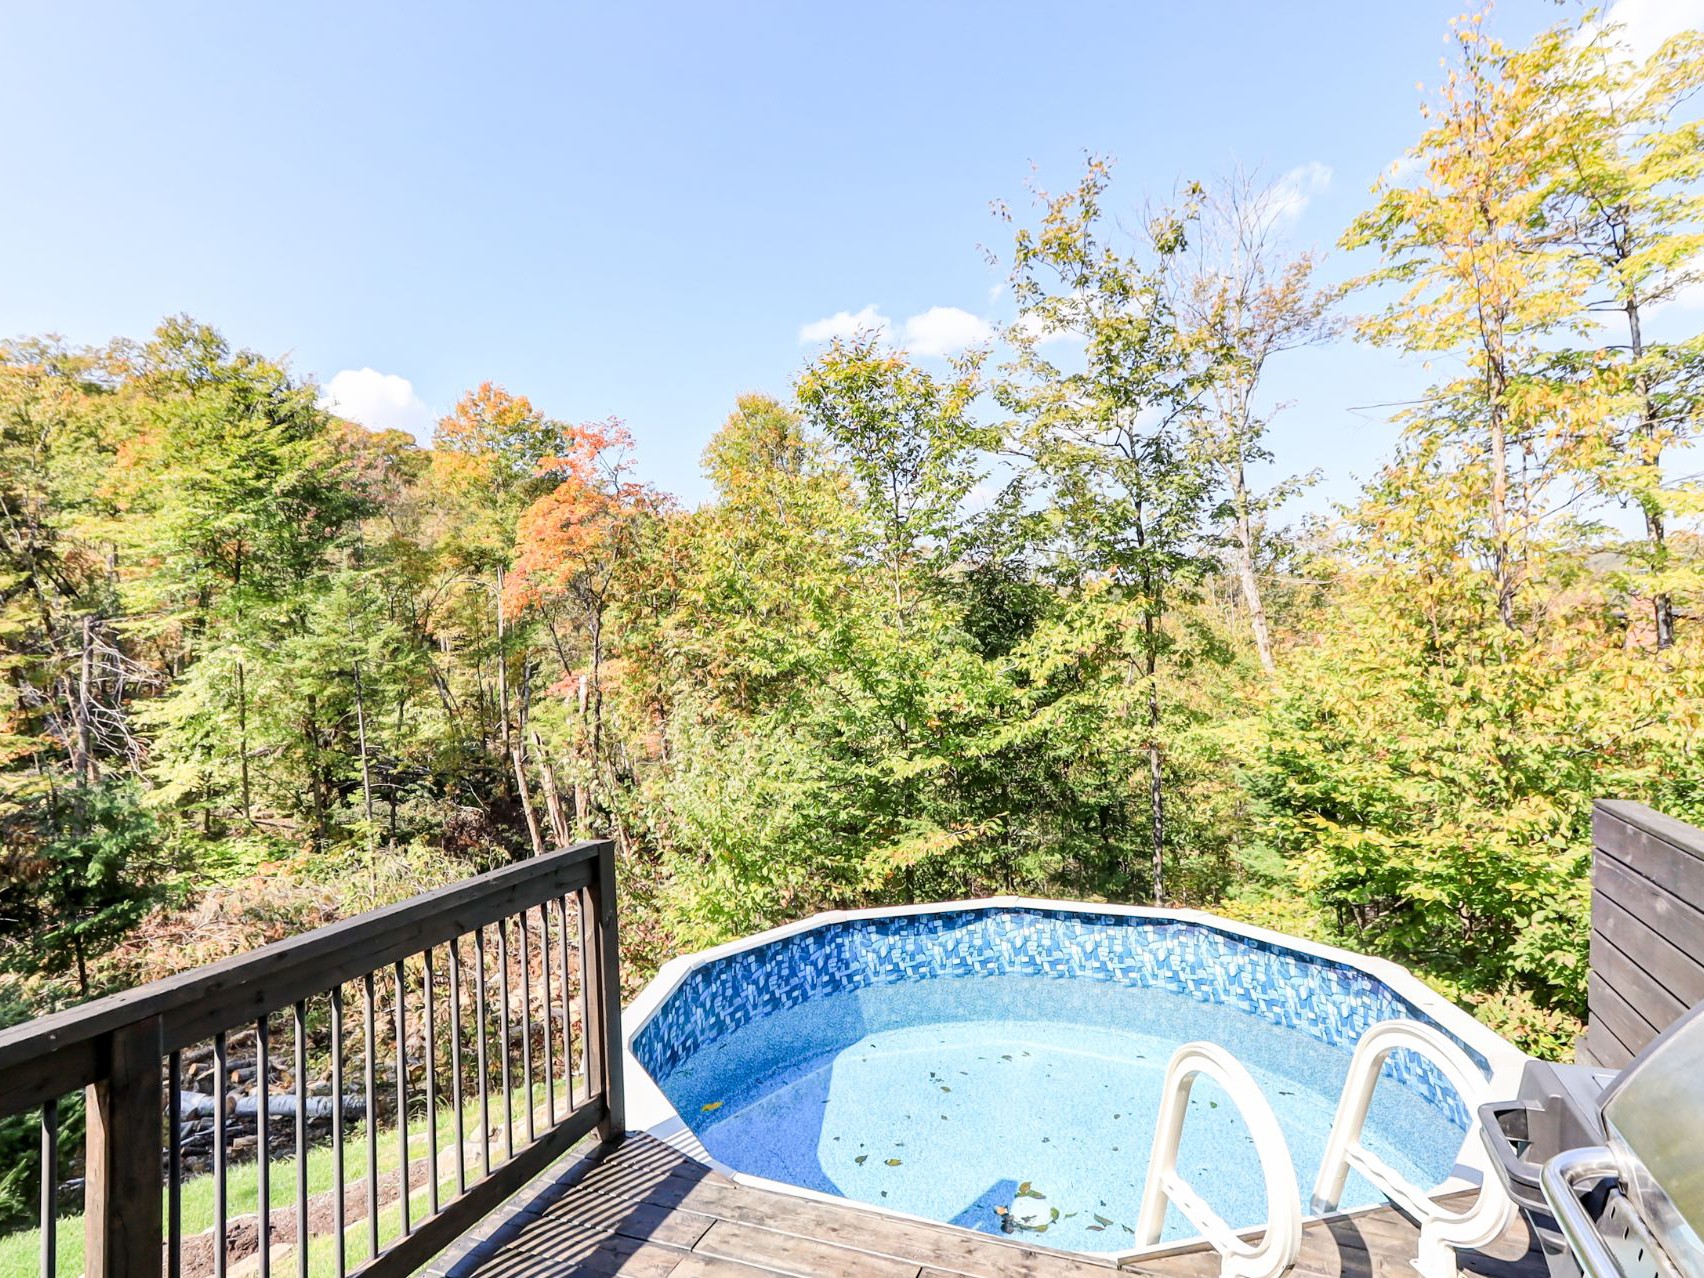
x=1101 y=1220
x=861 y=1159
x=712 y=1105
x=892 y=1162
x=1095 y=1229
x=945 y=1088
x=1006 y=1057
x=1212 y=1104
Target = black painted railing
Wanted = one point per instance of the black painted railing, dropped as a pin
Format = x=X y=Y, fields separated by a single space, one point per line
x=418 y=1064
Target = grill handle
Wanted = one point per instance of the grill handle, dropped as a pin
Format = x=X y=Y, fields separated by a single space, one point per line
x=1562 y=1179
x=1494 y=1123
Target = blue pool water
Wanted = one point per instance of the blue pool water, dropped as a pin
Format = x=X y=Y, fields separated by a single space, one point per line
x=948 y=1095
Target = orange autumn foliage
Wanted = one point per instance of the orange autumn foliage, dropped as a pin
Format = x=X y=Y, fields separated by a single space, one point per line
x=569 y=540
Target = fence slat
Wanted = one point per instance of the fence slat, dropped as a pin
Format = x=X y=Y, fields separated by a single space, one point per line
x=608 y=997
x=49 y=1189
x=122 y=1189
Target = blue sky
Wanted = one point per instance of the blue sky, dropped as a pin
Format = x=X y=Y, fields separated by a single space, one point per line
x=636 y=209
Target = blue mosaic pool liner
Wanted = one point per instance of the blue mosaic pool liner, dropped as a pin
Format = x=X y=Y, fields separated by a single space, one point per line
x=1331 y=1001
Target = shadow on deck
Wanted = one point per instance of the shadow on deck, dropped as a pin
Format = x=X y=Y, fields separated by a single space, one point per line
x=643 y=1210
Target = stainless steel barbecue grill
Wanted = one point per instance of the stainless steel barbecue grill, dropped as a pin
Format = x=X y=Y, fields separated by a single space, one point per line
x=1630 y=1204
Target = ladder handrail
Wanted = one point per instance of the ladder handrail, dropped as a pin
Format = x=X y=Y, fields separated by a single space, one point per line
x=1442 y=1231
x=1279 y=1246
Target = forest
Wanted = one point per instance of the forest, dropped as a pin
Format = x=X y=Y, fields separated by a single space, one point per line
x=1034 y=620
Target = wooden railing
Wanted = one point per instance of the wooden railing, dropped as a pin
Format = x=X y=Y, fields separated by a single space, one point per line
x=1647 y=956
x=446 y=984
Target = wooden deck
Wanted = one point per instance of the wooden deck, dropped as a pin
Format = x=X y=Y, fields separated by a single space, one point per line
x=643 y=1210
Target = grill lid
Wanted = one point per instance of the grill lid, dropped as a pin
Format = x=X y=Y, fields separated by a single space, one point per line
x=1654 y=1113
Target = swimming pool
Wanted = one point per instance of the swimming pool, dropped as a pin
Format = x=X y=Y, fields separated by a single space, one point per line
x=997 y=1065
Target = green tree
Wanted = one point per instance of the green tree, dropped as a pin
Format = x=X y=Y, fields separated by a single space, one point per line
x=81 y=869
x=1624 y=199
x=1107 y=444
x=1481 y=273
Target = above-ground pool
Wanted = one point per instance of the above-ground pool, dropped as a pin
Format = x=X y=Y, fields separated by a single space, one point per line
x=981 y=1064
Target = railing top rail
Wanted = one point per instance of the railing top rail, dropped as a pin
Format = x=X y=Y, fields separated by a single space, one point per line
x=1659 y=824
x=52 y=1055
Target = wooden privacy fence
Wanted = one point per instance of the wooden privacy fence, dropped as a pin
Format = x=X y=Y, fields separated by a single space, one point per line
x=1647 y=957
x=484 y=1017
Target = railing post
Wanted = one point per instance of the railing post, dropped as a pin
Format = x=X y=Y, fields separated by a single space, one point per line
x=123 y=1184
x=607 y=1032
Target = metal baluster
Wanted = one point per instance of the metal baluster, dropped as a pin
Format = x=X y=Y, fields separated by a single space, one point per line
x=567 y=1006
x=582 y=910
x=174 y=1169
x=262 y=1167
x=402 y=1091
x=431 y=1092
x=544 y=986
x=503 y=1038
x=455 y=1064
x=484 y=1070
x=49 y=1188
x=301 y=1027
x=337 y=1126
x=524 y=935
x=220 y=1240
x=372 y=1122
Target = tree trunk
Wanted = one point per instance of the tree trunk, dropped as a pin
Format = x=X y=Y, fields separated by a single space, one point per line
x=582 y=800
x=1662 y=603
x=1156 y=791
x=518 y=756
x=242 y=736
x=81 y=953
x=552 y=796
x=361 y=738
x=502 y=672
x=82 y=762
x=1245 y=570
x=1502 y=558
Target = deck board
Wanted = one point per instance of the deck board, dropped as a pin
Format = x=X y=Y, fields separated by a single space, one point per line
x=644 y=1210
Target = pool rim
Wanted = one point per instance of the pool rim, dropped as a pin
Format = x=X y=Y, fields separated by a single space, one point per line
x=650 y=1111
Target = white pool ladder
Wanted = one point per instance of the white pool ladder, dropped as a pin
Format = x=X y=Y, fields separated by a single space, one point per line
x=1279 y=1246
x=1441 y=1231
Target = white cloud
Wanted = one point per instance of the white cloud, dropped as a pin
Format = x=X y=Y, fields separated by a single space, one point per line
x=1291 y=194
x=845 y=324
x=1645 y=24
x=1031 y=326
x=944 y=330
x=940 y=330
x=379 y=401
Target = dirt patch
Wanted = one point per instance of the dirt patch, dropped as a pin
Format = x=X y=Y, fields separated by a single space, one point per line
x=242 y=1233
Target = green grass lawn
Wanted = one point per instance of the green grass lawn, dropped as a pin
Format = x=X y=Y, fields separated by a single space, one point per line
x=20 y=1252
